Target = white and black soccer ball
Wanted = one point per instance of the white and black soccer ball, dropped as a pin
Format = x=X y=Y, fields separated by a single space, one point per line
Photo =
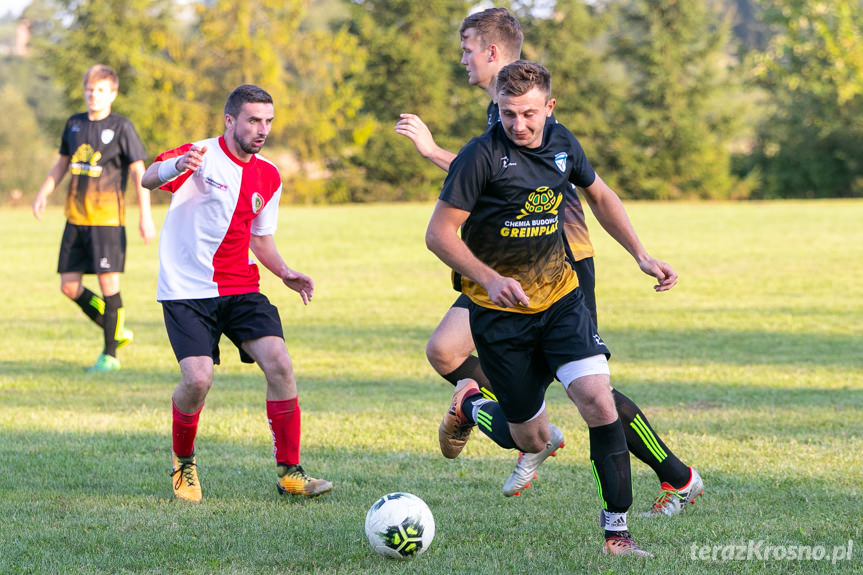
x=400 y=526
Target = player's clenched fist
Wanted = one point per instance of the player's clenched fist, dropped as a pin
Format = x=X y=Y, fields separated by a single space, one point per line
x=192 y=160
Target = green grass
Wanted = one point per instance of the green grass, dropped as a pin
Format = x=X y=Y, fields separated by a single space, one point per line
x=750 y=369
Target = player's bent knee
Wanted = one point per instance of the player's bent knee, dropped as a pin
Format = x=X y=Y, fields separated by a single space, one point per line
x=199 y=383
x=440 y=356
x=70 y=290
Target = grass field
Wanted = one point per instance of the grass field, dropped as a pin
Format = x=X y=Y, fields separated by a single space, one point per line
x=750 y=369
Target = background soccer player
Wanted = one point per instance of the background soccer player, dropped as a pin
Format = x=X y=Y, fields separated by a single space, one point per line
x=102 y=150
x=225 y=201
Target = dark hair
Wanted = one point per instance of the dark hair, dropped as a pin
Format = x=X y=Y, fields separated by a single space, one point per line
x=102 y=72
x=246 y=94
x=495 y=26
x=520 y=77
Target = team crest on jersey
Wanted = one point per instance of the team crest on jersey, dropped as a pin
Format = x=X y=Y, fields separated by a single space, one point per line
x=560 y=161
x=541 y=201
x=257 y=202
x=107 y=136
x=85 y=162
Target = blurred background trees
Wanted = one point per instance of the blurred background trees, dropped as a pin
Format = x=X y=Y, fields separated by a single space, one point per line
x=672 y=99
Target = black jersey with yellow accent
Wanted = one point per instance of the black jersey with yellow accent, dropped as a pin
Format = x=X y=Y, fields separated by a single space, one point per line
x=515 y=196
x=575 y=224
x=100 y=153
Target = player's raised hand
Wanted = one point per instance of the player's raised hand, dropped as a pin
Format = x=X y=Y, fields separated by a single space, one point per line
x=300 y=283
x=192 y=160
x=661 y=271
x=411 y=126
x=506 y=292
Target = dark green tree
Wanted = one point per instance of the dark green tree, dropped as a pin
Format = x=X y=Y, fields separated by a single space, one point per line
x=813 y=70
x=25 y=156
x=138 y=38
x=674 y=136
x=588 y=85
x=413 y=66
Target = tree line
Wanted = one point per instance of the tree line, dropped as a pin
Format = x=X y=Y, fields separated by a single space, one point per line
x=671 y=99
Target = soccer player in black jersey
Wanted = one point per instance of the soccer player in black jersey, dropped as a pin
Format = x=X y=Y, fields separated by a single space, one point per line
x=505 y=191
x=490 y=39
x=101 y=150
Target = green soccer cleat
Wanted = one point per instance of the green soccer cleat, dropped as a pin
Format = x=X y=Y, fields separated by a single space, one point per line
x=105 y=363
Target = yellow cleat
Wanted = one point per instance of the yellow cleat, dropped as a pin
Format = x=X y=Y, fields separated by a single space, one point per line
x=185 y=479
x=294 y=480
x=127 y=337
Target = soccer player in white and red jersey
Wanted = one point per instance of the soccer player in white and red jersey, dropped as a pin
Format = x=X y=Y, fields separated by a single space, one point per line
x=225 y=201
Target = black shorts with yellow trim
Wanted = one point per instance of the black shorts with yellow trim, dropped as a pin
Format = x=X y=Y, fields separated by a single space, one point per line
x=195 y=326
x=520 y=353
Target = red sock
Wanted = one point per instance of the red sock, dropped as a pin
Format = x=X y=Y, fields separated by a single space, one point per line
x=184 y=428
x=284 y=419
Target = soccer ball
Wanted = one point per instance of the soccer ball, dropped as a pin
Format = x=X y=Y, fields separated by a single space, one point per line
x=399 y=526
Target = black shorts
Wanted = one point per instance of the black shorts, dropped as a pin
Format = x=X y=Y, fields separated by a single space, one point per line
x=461 y=301
x=195 y=325
x=92 y=249
x=586 y=273
x=520 y=353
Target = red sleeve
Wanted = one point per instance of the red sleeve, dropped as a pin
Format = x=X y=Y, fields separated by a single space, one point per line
x=174 y=184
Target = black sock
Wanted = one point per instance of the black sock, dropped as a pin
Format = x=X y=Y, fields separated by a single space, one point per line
x=92 y=305
x=643 y=442
x=610 y=462
x=469 y=369
x=113 y=323
x=489 y=419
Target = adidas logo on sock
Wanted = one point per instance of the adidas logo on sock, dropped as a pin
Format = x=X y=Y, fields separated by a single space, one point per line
x=614 y=521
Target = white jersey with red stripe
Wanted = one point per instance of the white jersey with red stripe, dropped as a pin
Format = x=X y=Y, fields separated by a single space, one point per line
x=204 y=242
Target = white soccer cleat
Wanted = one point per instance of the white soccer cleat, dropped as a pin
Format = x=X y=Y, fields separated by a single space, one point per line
x=528 y=463
x=673 y=501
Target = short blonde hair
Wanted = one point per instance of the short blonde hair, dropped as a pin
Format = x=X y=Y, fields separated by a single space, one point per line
x=102 y=72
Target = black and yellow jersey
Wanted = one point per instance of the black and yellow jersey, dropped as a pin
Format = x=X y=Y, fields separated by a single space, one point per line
x=100 y=153
x=516 y=199
x=574 y=223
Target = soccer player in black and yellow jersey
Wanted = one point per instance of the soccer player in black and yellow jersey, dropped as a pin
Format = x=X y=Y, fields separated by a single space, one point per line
x=101 y=150
x=505 y=192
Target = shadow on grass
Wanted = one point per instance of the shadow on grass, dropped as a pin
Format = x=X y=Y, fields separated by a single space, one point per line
x=736 y=347
x=692 y=346
x=67 y=385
